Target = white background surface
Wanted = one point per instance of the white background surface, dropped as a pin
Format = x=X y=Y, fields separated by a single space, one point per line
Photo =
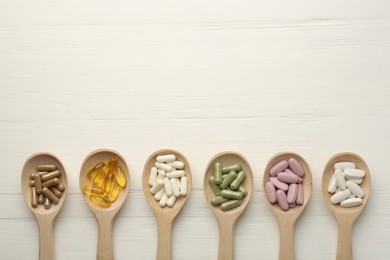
x=257 y=77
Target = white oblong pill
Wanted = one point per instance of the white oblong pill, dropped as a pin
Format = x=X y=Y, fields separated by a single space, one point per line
x=354 y=173
x=340 y=180
x=176 y=164
x=166 y=158
x=167 y=187
x=340 y=196
x=175 y=188
x=175 y=174
x=357 y=181
x=351 y=196
x=353 y=202
x=171 y=201
x=344 y=165
x=183 y=186
x=156 y=187
x=332 y=186
x=159 y=194
x=355 y=189
x=163 y=166
x=152 y=177
x=163 y=200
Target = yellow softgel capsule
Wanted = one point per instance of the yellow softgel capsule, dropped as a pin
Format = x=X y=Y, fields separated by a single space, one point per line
x=100 y=201
x=114 y=192
x=93 y=171
x=108 y=182
x=120 y=176
x=92 y=190
x=111 y=165
x=99 y=179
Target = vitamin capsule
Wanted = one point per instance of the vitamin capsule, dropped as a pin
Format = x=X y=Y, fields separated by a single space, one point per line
x=184 y=186
x=175 y=187
x=120 y=176
x=60 y=187
x=51 y=182
x=114 y=191
x=157 y=186
x=41 y=199
x=340 y=180
x=230 y=204
x=167 y=187
x=340 y=196
x=217 y=173
x=214 y=187
x=176 y=164
x=108 y=182
x=99 y=179
x=159 y=194
x=153 y=176
x=91 y=190
x=95 y=169
x=111 y=166
x=161 y=174
x=300 y=196
x=287 y=178
x=344 y=165
x=282 y=200
x=270 y=192
x=218 y=200
x=163 y=166
x=50 y=175
x=278 y=184
x=242 y=190
x=56 y=192
x=178 y=182
x=31 y=183
x=34 y=199
x=332 y=186
x=353 y=202
x=46 y=167
x=237 y=181
x=296 y=167
x=166 y=158
x=163 y=201
x=279 y=167
x=47 y=203
x=230 y=168
x=100 y=201
x=175 y=174
x=229 y=178
x=357 y=181
x=355 y=189
x=171 y=201
x=292 y=193
x=38 y=184
x=354 y=173
x=49 y=194
x=228 y=194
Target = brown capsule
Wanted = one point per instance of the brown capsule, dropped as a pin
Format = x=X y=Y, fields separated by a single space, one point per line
x=51 y=182
x=60 y=187
x=56 y=192
x=34 y=199
x=31 y=183
x=41 y=199
x=46 y=167
x=38 y=184
x=32 y=176
x=47 y=203
x=51 y=175
x=49 y=194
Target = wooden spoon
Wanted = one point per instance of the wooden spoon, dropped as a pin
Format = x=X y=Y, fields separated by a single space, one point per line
x=45 y=217
x=287 y=219
x=345 y=217
x=104 y=216
x=166 y=215
x=227 y=220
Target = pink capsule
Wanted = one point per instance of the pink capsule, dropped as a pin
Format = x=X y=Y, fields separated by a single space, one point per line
x=279 y=167
x=292 y=193
x=300 y=196
x=278 y=184
x=270 y=192
x=282 y=200
x=296 y=167
x=287 y=177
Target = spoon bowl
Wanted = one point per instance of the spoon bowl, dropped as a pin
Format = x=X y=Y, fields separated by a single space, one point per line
x=166 y=215
x=45 y=217
x=345 y=217
x=104 y=216
x=287 y=219
x=227 y=219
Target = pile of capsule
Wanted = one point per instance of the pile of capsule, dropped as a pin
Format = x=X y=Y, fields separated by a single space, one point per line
x=226 y=185
x=167 y=180
x=107 y=182
x=285 y=184
x=46 y=186
x=345 y=184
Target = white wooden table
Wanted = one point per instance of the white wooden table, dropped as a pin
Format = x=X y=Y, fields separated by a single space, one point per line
x=257 y=77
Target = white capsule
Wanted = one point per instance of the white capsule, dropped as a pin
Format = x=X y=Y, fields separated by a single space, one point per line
x=183 y=186
x=166 y=158
x=163 y=166
x=178 y=183
x=163 y=200
x=344 y=165
x=355 y=189
x=159 y=194
x=176 y=164
x=161 y=174
x=332 y=186
x=348 y=203
x=152 y=177
x=171 y=201
x=167 y=187
x=156 y=187
x=176 y=174
x=340 y=179
x=175 y=188
x=357 y=181
x=354 y=173
x=340 y=196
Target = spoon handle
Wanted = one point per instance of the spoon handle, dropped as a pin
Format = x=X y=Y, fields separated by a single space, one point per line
x=344 y=241
x=226 y=239
x=286 y=240
x=46 y=247
x=164 y=238
x=104 y=247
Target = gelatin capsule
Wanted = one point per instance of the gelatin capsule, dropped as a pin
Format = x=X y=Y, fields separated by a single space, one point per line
x=229 y=178
x=56 y=192
x=214 y=187
x=99 y=179
x=49 y=194
x=100 y=201
x=50 y=175
x=120 y=176
x=237 y=181
x=51 y=182
x=217 y=173
x=38 y=184
x=114 y=191
x=60 y=187
x=34 y=199
x=41 y=199
x=47 y=203
x=230 y=204
x=92 y=190
x=46 y=167
x=93 y=171
x=109 y=182
x=111 y=165
x=228 y=169
x=218 y=200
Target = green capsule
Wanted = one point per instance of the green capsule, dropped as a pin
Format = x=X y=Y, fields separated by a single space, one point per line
x=218 y=200
x=214 y=187
x=242 y=190
x=234 y=167
x=228 y=194
x=217 y=173
x=230 y=204
x=229 y=178
x=237 y=181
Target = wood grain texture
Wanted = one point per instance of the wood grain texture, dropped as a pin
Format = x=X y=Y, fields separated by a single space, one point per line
x=256 y=77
